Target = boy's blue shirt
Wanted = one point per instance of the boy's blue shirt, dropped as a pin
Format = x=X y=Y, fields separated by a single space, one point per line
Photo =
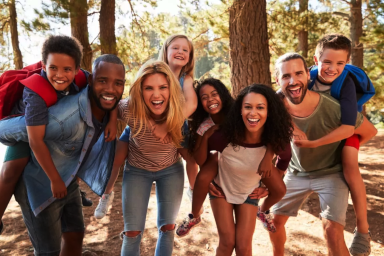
x=68 y=135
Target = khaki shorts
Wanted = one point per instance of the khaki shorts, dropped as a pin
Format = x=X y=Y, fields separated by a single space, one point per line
x=332 y=190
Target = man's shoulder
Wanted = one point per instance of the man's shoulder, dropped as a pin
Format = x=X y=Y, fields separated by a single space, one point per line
x=69 y=104
x=328 y=100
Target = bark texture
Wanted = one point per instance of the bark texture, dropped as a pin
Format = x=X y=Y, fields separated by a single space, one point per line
x=303 y=33
x=248 y=40
x=107 y=27
x=17 y=57
x=79 y=28
x=356 y=20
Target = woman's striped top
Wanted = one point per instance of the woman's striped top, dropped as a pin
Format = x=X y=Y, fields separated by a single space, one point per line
x=145 y=152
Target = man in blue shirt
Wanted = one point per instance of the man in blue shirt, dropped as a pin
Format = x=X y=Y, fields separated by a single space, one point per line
x=77 y=149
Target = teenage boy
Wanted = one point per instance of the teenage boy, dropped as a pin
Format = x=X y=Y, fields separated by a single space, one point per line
x=56 y=226
x=332 y=53
x=314 y=169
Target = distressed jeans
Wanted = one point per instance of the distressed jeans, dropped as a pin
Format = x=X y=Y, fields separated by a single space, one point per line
x=137 y=184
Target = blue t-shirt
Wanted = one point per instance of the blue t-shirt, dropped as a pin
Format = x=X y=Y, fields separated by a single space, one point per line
x=34 y=107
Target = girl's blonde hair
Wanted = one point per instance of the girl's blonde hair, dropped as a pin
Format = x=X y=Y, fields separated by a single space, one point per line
x=190 y=66
x=174 y=117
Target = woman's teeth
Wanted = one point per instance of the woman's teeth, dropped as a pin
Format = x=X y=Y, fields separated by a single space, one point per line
x=253 y=120
x=157 y=102
x=213 y=106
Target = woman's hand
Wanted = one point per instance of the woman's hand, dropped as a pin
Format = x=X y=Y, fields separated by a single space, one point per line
x=216 y=191
x=259 y=192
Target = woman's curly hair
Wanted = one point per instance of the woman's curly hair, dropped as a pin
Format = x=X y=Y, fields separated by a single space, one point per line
x=277 y=128
x=200 y=114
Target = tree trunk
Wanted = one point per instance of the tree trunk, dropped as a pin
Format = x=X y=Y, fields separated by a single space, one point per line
x=356 y=20
x=303 y=33
x=107 y=27
x=78 y=10
x=17 y=57
x=248 y=41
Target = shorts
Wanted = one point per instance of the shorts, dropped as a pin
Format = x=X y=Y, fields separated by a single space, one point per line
x=186 y=135
x=17 y=151
x=353 y=141
x=254 y=202
x=45 y=229
x=332 y=190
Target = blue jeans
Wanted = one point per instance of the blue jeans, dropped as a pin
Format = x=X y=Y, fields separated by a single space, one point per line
x=137 y=184
x=45 y=229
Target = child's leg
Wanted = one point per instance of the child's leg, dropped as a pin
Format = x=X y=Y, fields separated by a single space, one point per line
x=276 y=188
x=356 y=186
x=245 y=227
x=207 y=173
x=223 y=213
x=15 y=160
x=191 y=166
x=9 y=176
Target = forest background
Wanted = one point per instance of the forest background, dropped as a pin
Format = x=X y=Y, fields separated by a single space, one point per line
x=236 y=41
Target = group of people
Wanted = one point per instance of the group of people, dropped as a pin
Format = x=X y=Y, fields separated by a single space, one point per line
x=233 y=141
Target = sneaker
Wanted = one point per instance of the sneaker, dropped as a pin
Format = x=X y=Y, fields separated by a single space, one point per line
x=188 y=223
x=267 y=219
x=85 y=201
x=1 y=227
x=361 y=244
x=104 y=203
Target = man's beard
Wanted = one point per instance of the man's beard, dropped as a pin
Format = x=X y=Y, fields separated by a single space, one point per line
x=296 y=101
x=98 y=103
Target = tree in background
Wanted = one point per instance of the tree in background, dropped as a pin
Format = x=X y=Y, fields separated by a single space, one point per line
x=107 y=27
x=78 y=13
x=17 y=57
x=303 y=32
x=249 y=51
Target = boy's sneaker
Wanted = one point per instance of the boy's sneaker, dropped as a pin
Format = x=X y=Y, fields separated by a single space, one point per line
x=85 y=201
x=1 y=227
x=267 y=219
x=361 y=244
x=188 y=223
x=104 y=203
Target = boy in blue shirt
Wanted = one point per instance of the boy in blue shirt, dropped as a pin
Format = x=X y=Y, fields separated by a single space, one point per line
x=61 y=56
x=332 y=54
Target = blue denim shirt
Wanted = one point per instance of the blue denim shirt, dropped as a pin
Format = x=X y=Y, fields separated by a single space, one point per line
x=68 y=135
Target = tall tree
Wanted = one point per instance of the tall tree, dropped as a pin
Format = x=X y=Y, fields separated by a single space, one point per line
x=249 y=50
x=303 y=32
x=356 y=30
x=107 y=27
x=78 y=10
x=17 y=57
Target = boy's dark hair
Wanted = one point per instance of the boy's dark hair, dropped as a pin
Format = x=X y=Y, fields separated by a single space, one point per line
x=287 y=57
x=110 y=58
x=63 y=44
x=277 y=128
x=200 y=114
x=334 y=42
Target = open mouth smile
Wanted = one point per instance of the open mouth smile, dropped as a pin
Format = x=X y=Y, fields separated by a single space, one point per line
x=213 y=106
x=253 y=121
x=157 y=104
x=295 y=91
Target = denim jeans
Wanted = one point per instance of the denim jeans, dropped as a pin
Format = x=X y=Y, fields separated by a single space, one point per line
x=137 y=184
x=63 y=215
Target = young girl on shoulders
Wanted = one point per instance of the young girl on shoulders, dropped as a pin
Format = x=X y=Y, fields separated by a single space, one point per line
x=178 y=52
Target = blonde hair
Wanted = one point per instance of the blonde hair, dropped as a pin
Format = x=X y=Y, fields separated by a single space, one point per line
x=140 y=111
x=190 y=66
